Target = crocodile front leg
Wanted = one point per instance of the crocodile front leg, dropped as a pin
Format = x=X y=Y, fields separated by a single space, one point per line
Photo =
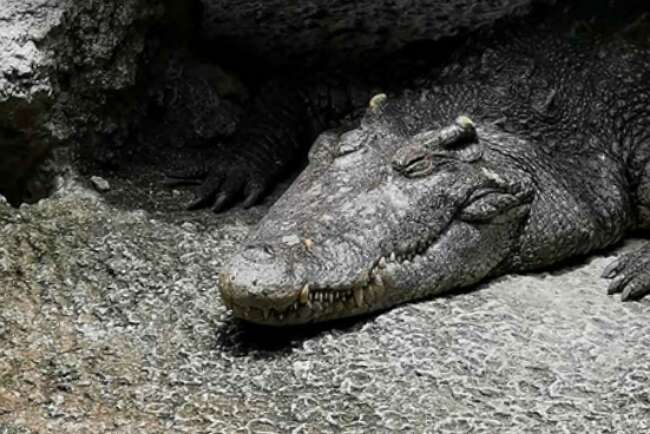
x=272 y=136
x=221 y=181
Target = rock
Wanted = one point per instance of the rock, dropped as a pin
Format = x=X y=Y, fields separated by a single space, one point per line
x=100 y=183
x=63 y=63
x=342 y=31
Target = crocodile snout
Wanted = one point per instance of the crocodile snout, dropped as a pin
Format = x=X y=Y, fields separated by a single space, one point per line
x=259 y=276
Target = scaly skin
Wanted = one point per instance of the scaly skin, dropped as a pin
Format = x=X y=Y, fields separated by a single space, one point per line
x=417 y=201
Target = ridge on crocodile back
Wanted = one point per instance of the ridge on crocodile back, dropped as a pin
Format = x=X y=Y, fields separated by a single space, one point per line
x=521 y=161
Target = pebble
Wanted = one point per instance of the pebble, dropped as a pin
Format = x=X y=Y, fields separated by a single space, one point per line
x=100 y=183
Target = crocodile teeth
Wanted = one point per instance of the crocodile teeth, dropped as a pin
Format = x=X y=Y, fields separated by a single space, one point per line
x=267 y=313
x=303 y=297
x=358 y=296
x=393 y=257
x=382 y=262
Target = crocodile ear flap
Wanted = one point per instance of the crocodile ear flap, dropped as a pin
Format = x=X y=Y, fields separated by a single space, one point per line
x=498 y=199
x=493 y=206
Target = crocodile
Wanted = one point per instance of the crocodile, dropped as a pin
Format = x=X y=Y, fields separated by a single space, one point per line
x=530 y=151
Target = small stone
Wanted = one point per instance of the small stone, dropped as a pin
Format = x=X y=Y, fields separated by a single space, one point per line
x=290 y=240
x=100 y=184
x=189 y=226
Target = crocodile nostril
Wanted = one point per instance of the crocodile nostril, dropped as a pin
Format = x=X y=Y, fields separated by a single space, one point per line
x=259 y=253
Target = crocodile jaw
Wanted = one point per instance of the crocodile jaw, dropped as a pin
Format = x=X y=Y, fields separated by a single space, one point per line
x=461 y=256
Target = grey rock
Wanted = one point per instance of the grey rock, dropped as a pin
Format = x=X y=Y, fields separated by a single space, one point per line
x=340 y=31
x=100 y=183
x=62 y=63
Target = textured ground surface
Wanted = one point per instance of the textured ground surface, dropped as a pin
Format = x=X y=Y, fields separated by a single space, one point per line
x=110 y=322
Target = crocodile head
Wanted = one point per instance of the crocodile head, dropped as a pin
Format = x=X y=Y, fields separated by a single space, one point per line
x=380 y=217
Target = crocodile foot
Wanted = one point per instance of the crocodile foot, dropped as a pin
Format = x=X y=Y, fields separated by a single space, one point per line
x=221 y=184
x=630 y=274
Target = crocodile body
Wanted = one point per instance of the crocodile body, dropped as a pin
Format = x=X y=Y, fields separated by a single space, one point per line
x=535 y=149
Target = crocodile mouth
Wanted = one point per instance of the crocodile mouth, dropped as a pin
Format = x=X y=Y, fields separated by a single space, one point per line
x=315 y=303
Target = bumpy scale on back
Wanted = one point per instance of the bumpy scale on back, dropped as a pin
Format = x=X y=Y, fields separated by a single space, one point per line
x=550 y=161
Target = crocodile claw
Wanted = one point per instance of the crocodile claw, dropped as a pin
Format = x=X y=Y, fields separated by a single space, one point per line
x=631 y=274
x=223 y=186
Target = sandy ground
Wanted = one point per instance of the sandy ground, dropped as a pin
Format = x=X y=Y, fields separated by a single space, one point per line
x=110 y=322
